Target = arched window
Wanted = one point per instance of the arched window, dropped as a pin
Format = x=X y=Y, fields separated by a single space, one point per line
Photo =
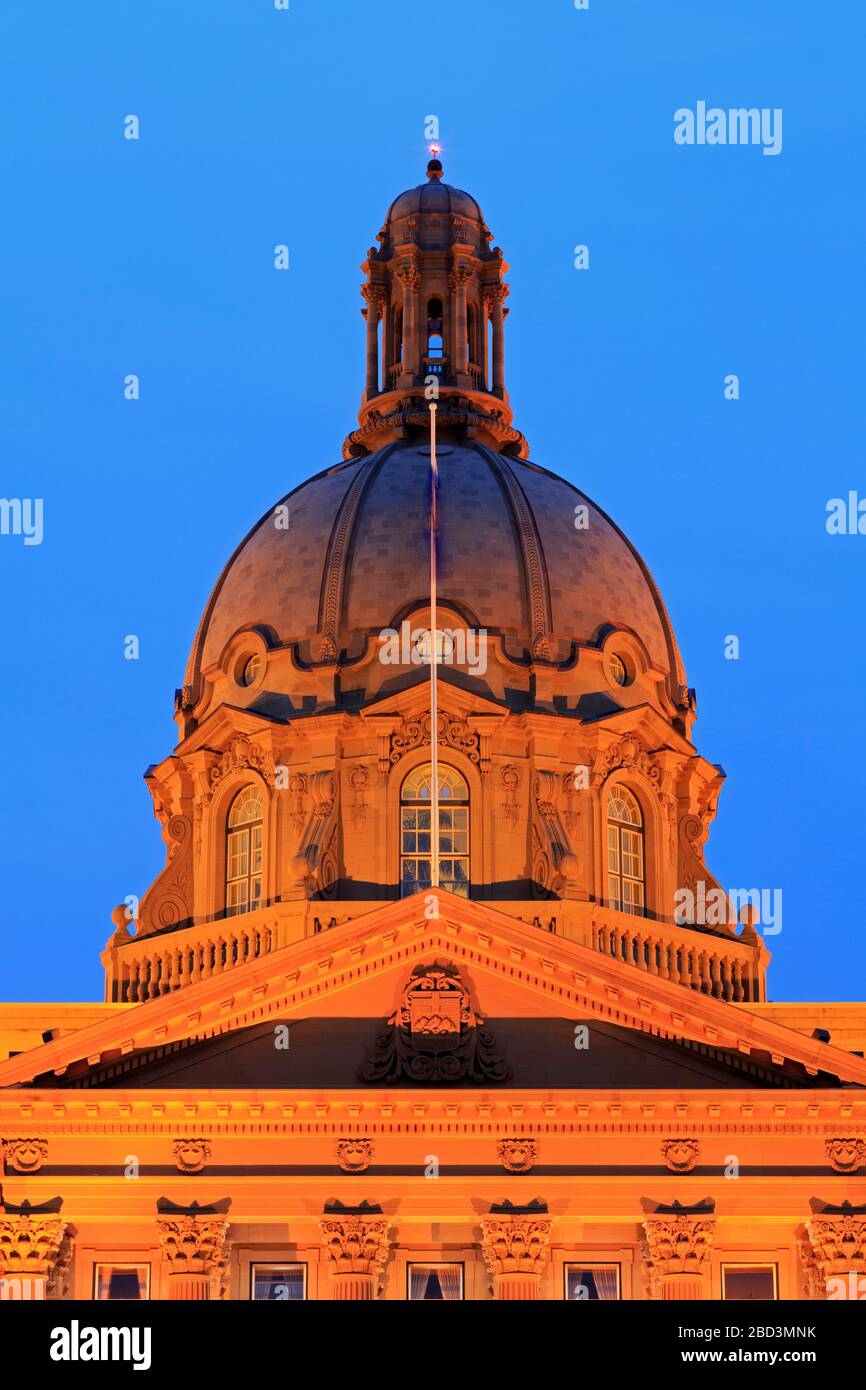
x=626 y=879
x=415 y=832
x=244 y=853
x=435 y=346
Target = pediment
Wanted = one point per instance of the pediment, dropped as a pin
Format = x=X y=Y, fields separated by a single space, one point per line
x=512 y=971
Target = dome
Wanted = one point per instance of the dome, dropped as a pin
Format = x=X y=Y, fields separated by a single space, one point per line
x=512 y=561
x=434 y=196
x=434 y=213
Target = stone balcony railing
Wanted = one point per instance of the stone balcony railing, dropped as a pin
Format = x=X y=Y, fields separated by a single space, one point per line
x=729 y=968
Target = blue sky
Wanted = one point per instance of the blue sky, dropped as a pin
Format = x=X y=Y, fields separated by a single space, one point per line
x=155 y=257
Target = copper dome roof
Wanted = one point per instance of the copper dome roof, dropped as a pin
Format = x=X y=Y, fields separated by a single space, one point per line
x=355 y=557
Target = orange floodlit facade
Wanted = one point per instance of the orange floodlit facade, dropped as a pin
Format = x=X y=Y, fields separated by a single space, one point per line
x=321 y=1073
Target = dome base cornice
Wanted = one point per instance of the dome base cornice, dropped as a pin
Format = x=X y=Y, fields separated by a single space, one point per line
x=396 y=415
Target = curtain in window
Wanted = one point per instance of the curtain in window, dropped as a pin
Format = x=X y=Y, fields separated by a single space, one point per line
x=605 y=1283
x=420 y=1278
x=429 y=1282
x=449 y=1279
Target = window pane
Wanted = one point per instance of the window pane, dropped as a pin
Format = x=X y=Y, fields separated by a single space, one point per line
x=278 y=1282
x=591 y=1283
x=749 y=1282
x=613 y=849
x=435 y=1282
x=238 y=853
x=256 y=835
x=121 y=1283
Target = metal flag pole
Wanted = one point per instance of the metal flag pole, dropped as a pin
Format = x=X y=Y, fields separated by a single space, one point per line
x=434 y=653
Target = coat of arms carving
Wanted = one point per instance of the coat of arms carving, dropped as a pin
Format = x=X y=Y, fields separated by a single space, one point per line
x=435 y=1035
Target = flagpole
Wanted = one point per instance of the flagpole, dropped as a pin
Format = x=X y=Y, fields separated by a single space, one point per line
x=434 y=651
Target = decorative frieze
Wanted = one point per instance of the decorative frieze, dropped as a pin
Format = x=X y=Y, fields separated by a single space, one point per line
x=681 y=1155
x=846 y=1155
x=451 y=732
x=191 y=1155
x=517 y=1155
x=23 y=1155
x=355 y=1155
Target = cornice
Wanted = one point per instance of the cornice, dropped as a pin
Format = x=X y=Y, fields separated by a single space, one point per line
x=572 y=1114
x=561 y=977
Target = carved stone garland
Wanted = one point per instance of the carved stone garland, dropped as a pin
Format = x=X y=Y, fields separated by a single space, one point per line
x=451 y=732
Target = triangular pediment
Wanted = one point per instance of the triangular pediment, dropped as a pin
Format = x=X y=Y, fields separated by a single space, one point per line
x=356 y=971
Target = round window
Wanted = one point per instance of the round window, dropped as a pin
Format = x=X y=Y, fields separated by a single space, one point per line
x=250 y=669
x=617 y=668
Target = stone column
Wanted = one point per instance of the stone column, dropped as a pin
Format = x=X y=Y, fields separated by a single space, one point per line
x=372 y=295
x=495 y=297
x=410 y=278
x=30 y=1250
x=358 y=1248
x=515 y=1251
x=838 y=1242
x=677 y=1255
x=195 y=1251
x=457 y=280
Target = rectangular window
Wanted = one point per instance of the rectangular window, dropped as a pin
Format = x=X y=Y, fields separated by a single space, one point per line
x=747 y=1283
x=278 y=1283
x=118 y=1283
x=592 y=1283
x=429 y=1283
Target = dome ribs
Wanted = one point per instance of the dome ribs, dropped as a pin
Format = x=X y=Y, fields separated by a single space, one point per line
x=534 y=568
x=339 y=547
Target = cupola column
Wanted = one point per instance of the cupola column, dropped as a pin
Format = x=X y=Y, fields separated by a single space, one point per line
x=494 y=299
x=410 y=278
x=459 y=276
x=373 y=296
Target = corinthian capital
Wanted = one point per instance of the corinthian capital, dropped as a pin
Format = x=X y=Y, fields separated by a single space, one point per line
x=838 y=1243
x=29 y=1244
x=515 y=1244
x=356 y=1244
x=194 y=1245
x=495 y=294
x=409 y=274
x=377 y=299
x=678 y=1244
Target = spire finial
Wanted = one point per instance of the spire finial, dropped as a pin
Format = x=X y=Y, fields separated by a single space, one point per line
x=434 y=167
